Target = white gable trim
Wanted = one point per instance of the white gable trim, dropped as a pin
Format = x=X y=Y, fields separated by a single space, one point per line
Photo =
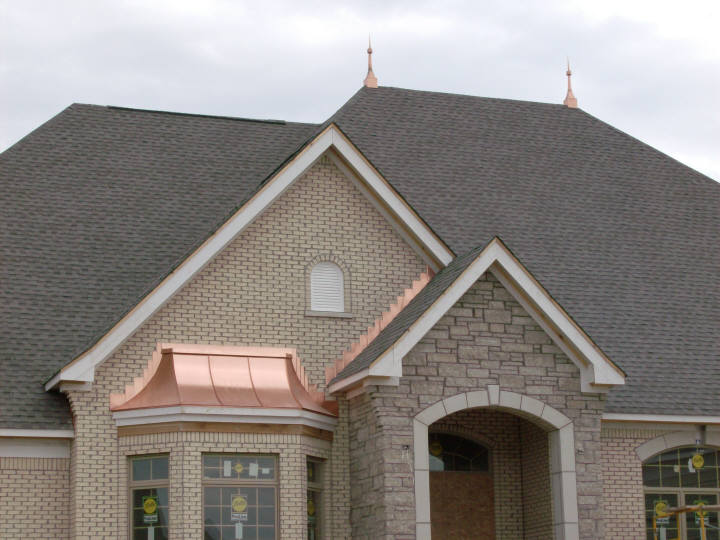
x=82 y=368
x=597 y=372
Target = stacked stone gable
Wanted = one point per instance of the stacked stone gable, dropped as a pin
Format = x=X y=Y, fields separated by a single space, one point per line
x=485 y=339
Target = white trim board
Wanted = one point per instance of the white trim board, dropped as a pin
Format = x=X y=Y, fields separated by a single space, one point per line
x=660 y=418
x=240 y=415
x=597 y=372
x=82 y=368
x=27 y=447
x=39 y=433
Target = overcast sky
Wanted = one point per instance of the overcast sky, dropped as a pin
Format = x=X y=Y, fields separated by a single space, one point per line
x=650 y=68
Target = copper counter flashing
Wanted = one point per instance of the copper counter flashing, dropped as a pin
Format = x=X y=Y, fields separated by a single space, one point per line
x=219 y=376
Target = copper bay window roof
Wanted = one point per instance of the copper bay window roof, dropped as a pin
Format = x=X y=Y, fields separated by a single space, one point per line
x=220 y=377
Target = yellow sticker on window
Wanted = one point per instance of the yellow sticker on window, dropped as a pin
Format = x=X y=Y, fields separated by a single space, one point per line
x=239 y=503
x=698 y=461
x=660 y=508
x=239 y=468
x=150 y=505
x=310 y=508
x=436 y=448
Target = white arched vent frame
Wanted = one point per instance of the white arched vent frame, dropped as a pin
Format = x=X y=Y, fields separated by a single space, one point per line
x=327 y=286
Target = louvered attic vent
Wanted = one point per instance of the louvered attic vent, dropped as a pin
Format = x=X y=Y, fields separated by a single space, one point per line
x=327 y=292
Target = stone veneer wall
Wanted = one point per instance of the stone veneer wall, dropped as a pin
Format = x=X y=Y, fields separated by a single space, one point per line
x=34 y=497
x=253 y=293
x=486 y=338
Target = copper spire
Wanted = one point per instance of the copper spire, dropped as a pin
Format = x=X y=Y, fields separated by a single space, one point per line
x=370 y=80
x=570 y=99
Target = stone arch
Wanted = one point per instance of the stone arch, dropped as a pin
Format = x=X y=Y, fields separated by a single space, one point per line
x=676 y=439
x=561 y=446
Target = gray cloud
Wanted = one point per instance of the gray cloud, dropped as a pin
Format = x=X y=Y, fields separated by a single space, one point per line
x=301 y=61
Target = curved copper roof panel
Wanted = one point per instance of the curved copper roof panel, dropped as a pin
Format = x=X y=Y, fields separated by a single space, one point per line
x=219 y=376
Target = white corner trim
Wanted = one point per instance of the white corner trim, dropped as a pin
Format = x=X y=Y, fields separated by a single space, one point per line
x=241 y=415
x=82 y=369
x=28 y=447
x=660 y=418
x=597 y=373
x=39 y=433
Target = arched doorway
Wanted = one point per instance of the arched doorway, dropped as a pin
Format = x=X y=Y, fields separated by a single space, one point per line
x=556 y=427
x=461 y=488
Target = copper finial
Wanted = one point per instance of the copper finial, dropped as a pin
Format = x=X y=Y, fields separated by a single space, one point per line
x=570 y=99
x=370 y=80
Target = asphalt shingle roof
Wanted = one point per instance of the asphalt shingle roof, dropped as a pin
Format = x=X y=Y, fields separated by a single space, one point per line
x=624 y=237
x=100 y=203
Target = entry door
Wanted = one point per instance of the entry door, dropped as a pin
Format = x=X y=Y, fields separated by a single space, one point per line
x=462 y=505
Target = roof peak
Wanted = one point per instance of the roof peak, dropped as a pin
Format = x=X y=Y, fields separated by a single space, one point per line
x=570 y=100
x=370 y=79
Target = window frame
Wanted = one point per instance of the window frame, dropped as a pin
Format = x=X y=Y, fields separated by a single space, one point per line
x=229 y=482
x=681 y=492
x=317 y=486
x=145 y=484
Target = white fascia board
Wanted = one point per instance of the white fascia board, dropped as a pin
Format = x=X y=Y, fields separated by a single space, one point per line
x=82 y=369
x=597 y=373
x=28 y=447
x=660 y=418
x=245 y=415
x=39 y=433
x=390 y=197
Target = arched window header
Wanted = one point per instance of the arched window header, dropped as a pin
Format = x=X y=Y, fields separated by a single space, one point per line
x=327 y=288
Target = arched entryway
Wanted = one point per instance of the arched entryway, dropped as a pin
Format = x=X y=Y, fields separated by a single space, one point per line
x=462 y=500
x=557 y=429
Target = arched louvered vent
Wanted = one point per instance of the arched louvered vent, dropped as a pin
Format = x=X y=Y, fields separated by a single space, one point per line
x=327 y=292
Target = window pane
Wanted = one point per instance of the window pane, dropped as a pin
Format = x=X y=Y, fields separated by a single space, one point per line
x=160 y=468
x=651 y=476
x=140 y=469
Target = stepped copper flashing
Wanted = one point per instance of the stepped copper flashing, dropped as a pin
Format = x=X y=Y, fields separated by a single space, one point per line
x=219 y=376
x=380 y=323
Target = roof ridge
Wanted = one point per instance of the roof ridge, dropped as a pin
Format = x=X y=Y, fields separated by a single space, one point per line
x=459 y=94
x=199 y=115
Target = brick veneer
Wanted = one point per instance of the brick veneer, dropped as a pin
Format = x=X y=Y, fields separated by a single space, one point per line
x=486 y=338
x=34 y=497
x=253 y=293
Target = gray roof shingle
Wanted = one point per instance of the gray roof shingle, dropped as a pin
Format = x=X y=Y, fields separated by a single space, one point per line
x=100 y=203
x=624 y=237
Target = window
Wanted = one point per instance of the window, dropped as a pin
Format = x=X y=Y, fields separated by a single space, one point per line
x=314 y=499
x=678 y=478
x=149 y=497
x=327 y=290
x=240 y=497
x=453 y=453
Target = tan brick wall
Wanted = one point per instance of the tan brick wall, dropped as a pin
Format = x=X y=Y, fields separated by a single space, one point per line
x=537 y=506
x=486 y=338
x=623 y=499
x=34 y=498
x=252 y=294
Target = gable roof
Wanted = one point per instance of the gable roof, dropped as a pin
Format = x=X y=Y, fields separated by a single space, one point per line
x=624 y=237
x=383 y=356
x=99 y=204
